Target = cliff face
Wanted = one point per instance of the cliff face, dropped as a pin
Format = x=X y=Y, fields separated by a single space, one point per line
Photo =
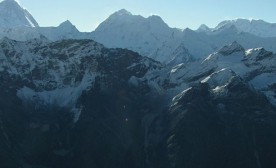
x=230 y=129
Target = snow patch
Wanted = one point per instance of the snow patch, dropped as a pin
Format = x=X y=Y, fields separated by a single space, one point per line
x=65 y=97
x=31 y=24
x=219 y=78
x=181 y=94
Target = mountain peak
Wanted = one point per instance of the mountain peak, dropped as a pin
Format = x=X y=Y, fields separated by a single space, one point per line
x=232 y=48
x=258 y=54
x=13 y=15
x=155 y=18
x=67 y=26
x=10 y=1
x=122 y=15
x=122 y=12
x=203 y=28
x=11 y=4
x=157 y=21
x=66 y=23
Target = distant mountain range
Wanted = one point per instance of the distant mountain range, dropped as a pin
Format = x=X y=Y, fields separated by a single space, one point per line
x=150 y=37
x=256 y=27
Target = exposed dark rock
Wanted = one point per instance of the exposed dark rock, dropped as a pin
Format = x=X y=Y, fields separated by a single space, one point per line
x=230 y=130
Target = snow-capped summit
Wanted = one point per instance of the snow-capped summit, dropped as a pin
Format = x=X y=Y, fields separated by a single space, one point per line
x=148 y=36
x=13 y=15
x=121 y=16
x=18 y=24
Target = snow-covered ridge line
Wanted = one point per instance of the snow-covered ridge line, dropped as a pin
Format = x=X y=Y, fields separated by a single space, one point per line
x=256 y=67
x=150 y=36
x=256 y=27
x=13 y=15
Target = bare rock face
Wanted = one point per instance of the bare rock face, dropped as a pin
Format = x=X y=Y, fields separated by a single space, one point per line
x=221 y=130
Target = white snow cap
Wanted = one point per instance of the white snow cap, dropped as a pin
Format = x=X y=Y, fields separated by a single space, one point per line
x=12 y=15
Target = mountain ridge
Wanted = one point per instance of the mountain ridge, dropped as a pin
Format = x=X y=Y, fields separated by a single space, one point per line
x=13 y=15
x=72 y=96
x=256 y=27
x=241 y=24
x=150 y=37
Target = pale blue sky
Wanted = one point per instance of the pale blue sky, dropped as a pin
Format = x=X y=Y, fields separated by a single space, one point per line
x=87 y=14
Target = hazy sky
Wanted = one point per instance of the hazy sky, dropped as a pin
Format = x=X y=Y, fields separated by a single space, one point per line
x=87 y=14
